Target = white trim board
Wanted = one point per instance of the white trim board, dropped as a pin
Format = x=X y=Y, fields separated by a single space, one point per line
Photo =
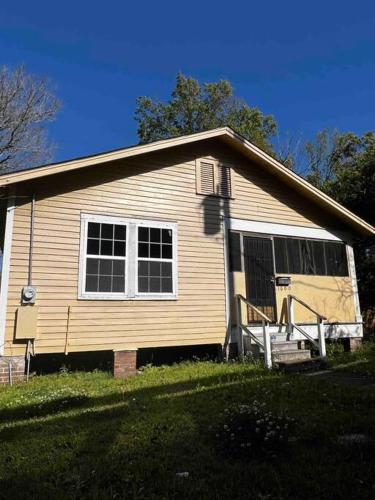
x=5 y=270
x=271 y=228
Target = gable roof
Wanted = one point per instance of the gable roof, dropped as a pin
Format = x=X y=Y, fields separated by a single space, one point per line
x=227 y=135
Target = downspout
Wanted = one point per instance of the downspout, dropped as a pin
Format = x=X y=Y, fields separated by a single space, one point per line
x=30 y=343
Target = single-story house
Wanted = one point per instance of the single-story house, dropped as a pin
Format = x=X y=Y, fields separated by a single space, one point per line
x=195 y=240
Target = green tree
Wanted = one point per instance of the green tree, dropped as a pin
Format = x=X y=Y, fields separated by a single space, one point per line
x=194 y=108
x=343 y=166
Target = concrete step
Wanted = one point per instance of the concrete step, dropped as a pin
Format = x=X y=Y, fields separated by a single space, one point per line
x=291 y=355
x=284 y=345
x=306 y=365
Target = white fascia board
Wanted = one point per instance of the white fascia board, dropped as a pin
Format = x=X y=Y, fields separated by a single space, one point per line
x=270 y=228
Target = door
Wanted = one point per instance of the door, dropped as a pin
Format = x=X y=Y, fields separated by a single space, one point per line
x=260 y=277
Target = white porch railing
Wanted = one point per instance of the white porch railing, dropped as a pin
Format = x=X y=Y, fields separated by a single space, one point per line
x=321 y=344
x=266 y=344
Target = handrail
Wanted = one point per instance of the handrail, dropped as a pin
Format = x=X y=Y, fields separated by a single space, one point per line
x=261 y=314
x=321 y=344
x=307 y=307
x=265 y=326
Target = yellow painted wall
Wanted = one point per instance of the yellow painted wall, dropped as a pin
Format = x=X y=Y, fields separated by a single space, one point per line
x=329 y=295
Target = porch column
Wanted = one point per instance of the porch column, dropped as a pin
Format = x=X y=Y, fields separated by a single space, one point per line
x=124 y=363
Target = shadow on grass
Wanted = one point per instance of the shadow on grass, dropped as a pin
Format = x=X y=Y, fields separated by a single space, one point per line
x=132 y=442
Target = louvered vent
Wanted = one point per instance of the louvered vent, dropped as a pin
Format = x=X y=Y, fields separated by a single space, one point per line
x=207 y=178
x=224 y=181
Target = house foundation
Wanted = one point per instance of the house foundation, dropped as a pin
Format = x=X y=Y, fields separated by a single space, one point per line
x=355 y=343
x=12 y=369
x=124 y=363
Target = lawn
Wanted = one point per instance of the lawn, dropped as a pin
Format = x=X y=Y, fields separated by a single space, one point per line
x=196 y=430
x=360 y=362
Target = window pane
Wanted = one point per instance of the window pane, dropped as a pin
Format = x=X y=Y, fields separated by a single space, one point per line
x=166 y=269
x=166 y=285
x=336 y=261
x=155 y=268
x=143 y=250
x=92 y=266
x=120 y=233
x=167 y=235
x=105 y=283
x=155 y=251
x=281 y=255
x=167 y=252
x=91 y=283
x=294 y=258
x=105 y=275
x=318 y=250
x=92 y=247
x=105 y=267
x=118 y=268
x=307 y=257
x=118 y=284
x=106 y=247
x=107 y=231
x=93 y=230
x=155 y=235
x=143 y=285
x=143 y=268
x=235 y=260
x=143 y=234
x=119 y=249
x=155 y=285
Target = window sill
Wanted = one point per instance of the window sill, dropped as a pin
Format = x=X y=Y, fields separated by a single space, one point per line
x=123 y=298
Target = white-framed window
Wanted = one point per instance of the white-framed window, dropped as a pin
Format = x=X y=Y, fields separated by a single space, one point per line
x=127 y=259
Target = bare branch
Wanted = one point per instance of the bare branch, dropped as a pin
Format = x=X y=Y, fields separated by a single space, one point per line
x=26 y=105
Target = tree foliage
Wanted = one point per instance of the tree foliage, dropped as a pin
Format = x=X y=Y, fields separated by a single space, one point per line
x=194 y=108
x=26 y=105
x=343 y=166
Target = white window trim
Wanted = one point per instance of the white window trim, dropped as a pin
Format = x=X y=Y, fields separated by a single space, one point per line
x=131 y=260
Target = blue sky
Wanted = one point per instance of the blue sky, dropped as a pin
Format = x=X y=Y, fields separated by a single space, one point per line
x=311 y=65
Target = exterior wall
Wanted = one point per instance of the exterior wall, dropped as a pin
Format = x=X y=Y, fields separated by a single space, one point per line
x=160 y=186
x=329 y=295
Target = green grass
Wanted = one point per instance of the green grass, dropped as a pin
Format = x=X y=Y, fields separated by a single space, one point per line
x=91 y=436
x=360 y=362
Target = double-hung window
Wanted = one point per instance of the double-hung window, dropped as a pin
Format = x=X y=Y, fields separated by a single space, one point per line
x=127 y=259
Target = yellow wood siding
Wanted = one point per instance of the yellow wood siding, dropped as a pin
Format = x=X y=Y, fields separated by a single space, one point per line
x=159 y=186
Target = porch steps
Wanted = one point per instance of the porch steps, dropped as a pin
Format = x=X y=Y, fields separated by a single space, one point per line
x=283 y=351
x=307 y=365
x=291 y=355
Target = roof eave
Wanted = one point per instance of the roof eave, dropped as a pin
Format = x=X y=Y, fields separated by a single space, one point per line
x=226 y=134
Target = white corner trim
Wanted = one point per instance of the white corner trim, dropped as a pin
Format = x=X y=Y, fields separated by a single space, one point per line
x=226 y=274
x=271 y=228
x=5 y=270
x=353 y=275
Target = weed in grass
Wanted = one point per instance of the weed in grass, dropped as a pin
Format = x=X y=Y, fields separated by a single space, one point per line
x=249 y=431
